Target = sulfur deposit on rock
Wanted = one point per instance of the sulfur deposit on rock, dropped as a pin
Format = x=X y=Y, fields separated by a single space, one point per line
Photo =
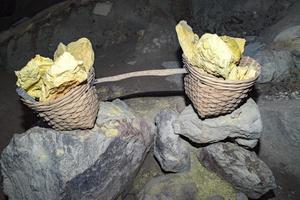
x=219 y=56
x=45 y=79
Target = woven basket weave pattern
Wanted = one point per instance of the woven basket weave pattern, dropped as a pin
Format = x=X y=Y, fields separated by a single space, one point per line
x=213 y=96
x=77 y=109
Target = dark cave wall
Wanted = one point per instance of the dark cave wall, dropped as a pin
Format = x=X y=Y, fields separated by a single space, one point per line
x=11 y=11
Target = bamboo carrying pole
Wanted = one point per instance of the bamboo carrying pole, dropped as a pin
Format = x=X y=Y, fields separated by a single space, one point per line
x=157 y=72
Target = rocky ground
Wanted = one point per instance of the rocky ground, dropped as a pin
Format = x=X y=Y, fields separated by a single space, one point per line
x=136 y=35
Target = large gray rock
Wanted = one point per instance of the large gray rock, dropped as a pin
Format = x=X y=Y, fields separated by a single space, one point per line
x=275 y=65
x=280 y=141
x=240 y=167
x=169 y=148
x=243 y=123
x=280 y=144
x=289 y=39
x=83 y=164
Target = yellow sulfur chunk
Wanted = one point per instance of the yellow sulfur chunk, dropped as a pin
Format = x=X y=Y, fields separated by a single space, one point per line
x=251 y=73
x=233 y=75
x=236 y=45
x=61 y=48
x=80 y=49
x=39 y=91
x=30 y=76
x=242 y=71
x=216 y=55
x=209 y=52
x=44 y=79
x=64 y=73
x=32 y=72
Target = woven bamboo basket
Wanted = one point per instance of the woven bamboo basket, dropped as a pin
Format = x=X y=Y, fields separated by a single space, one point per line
x=76 y=109
x=212 y=96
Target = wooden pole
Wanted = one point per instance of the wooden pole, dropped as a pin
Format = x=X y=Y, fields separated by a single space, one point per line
x=155 y=72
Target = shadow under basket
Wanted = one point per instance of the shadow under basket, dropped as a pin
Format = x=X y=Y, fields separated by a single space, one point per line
x=212 y=96
x=76 y=109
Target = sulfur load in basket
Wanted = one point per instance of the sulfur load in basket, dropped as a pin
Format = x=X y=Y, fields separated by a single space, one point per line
x=219 y=77
x=62 y=91
x=212 y=96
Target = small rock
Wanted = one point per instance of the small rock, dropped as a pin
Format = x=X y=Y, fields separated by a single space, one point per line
x=102 y=8
x=247 y=143
x=244 y=123
x=82 y=164
x=169 y=148
x=240 y=167
x=241 y=196
x=216 y=198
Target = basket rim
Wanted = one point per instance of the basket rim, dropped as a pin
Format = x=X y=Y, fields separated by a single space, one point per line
x=67 y=94
x=195 y=70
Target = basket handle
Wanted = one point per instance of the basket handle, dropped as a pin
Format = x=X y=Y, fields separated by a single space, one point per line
x=155 y=72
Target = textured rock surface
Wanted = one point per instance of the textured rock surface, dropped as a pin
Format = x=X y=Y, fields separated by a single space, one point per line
x=290 y=19
x=186 y=190
x=276 y=65
x=235 y=17
x=240 y=167
x=281 y=130
x=289 y=39
x=244 y=123
x=19 y=51
x=169 y=148
x=89 y=164
x=198 y=183
x=149 y=107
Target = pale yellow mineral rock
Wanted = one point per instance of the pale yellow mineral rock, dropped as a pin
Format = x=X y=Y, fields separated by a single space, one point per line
x=30 y=76
x=236 y=45
x=66 y=72
x=80 y=49
x=45 y=80
x=216 y=55
x=209 y=52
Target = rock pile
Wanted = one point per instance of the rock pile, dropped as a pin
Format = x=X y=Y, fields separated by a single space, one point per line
x=103 y=162
x=82 y=164
x=239 y=166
